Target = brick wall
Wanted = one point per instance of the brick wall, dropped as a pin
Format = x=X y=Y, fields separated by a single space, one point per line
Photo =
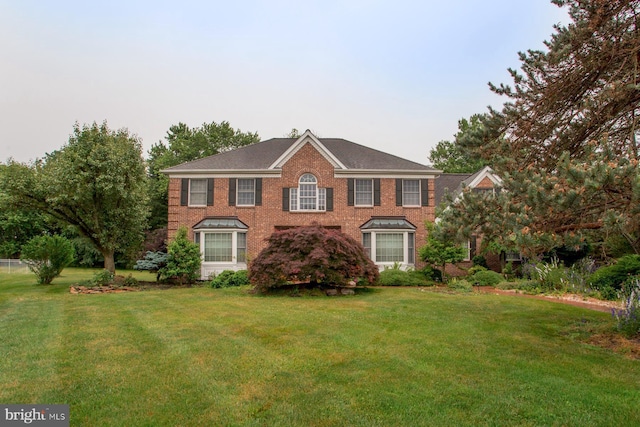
x=262 y=220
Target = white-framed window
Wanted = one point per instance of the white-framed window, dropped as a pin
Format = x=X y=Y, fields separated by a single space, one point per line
x=410 y=192
x=223 y=246
x=197 y=192
x=390 y=246
x=512 y=256
x=246 y=192
x=307 y=196
x=363 y=192
x=466 y=246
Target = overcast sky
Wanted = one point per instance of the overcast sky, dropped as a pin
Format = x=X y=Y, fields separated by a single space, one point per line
x=392 y=75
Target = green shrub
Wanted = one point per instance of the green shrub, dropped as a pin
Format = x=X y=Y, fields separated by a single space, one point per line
x=47 y=256
x=527 y=286
x=460 y=285
x=229 y=278
x=608 y=280
x=473 y=270
x=480 y=261
x=102 y=278
x=183 y=262
x=485 y=278
x=394 y=277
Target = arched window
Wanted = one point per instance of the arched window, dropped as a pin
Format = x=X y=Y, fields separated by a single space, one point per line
x=307 y=196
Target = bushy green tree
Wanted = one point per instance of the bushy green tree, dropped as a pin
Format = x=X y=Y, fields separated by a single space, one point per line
x=452 y=157
x=438 y=252
x=96 y=183
x=47 y=256
x=566 y=141
x=184 y=259
x=311 y=254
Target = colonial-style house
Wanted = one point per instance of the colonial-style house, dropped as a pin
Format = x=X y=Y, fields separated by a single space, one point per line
x=233 y=201
x=485 y=180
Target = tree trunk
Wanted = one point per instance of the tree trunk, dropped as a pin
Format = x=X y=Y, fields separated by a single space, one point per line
x=109 y=261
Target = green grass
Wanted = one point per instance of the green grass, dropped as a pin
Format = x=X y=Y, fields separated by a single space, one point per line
x=388 y=357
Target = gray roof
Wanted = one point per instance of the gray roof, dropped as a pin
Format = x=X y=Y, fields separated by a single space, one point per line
x=387 y=223
x=451 y=183
x=262 y=155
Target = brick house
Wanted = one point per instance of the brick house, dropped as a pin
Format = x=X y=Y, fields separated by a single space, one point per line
x=233 y=201
x=484 y=180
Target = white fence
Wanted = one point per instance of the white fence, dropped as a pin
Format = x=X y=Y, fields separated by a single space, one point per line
x=12 y=266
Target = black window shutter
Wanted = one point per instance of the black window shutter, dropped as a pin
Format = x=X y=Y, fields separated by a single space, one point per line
x=472 y=246
x=376 y=192
x=424 y=190
x=184 y=192
x=398 y=192
x=209 y=191
x=232 y=191
x=258 y=201
x=350 y=194
x=285 y=199
x=329 y=199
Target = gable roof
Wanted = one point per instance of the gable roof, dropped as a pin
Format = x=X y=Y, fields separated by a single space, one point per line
x=454 y=183
x=271 y=154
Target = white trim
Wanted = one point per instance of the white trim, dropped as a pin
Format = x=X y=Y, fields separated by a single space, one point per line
x=206 y=191
x=487 y=172
x=307 y=137
x=226 y=174
x=405 y=246
x=383 y=173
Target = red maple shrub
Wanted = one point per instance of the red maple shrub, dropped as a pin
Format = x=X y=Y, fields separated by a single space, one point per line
x=311 y=254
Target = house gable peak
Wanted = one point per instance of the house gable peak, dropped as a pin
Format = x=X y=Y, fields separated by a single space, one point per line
x=307 y=138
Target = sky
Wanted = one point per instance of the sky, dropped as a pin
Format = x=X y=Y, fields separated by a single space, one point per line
x=391 y=75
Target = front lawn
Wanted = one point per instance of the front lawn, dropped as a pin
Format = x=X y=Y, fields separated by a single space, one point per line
x=397 y=356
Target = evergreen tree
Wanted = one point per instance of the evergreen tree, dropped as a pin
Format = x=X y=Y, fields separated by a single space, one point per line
x=566 y=141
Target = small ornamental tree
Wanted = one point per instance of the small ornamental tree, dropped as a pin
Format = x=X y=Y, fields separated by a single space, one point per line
x=47 y=256
x=183 y=262
x=311 y=254
x=439 y=252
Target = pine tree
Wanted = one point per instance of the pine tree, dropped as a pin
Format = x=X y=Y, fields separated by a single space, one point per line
x=566 y=141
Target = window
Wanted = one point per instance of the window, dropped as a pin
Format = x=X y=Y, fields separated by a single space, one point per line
x=218 y=247
x=307 y=197
x=222 y=240
x=364 y=192
x=466 y=246
x=227 y=247
x=198 y=192
x=513 y=256
x=389 y=240
x=246 y=192
x=410 y=192
x=389 y=247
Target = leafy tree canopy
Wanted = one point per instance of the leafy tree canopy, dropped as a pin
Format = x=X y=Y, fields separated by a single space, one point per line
x=566 y=141
x=452 y=157
x=96 y=183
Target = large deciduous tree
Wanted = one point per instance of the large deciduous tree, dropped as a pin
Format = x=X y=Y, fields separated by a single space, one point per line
x=96 y=183
x=566 y=141
x=452 y=157
x=185 y=144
